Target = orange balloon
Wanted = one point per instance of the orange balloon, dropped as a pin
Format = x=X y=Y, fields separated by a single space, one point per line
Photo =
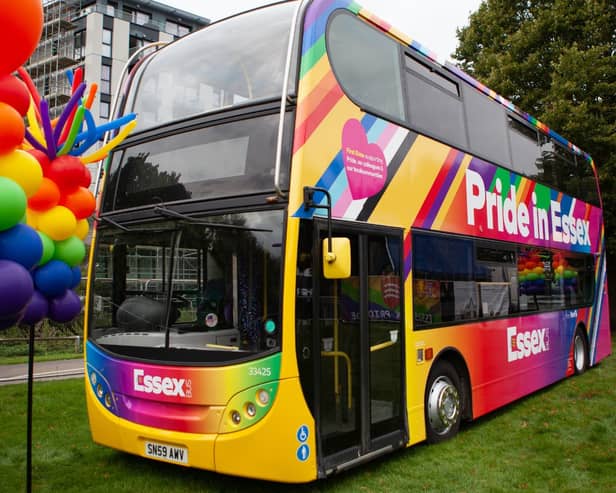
x=81 y=202
x=46 y=197
x=12 y=128
x=22 y=25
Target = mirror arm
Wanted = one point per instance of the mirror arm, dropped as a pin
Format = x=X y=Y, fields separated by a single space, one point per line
x=309 y=203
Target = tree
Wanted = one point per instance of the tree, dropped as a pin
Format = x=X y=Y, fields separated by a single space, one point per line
x=555 y=59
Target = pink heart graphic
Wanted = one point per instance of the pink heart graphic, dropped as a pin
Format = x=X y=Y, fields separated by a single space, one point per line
x=364 y=163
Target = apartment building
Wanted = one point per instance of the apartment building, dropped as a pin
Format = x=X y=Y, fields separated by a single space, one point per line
x=100 y=36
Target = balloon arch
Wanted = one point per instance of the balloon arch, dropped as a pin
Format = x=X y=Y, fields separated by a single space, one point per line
x=45 y=201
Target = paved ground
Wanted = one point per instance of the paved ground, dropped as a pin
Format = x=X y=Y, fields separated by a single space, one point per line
x=47 y=370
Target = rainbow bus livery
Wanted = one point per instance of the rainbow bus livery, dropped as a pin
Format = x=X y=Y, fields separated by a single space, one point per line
x=320 y=245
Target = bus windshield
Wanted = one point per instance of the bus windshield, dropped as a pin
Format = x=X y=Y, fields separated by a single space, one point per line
x=235 y=61
x=198 y=291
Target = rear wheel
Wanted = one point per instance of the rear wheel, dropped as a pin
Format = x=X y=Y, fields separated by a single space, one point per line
x=443 y=402
x=580 y=352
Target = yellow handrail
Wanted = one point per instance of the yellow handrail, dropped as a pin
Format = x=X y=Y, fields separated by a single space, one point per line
x=382 y=345
x=342 y=354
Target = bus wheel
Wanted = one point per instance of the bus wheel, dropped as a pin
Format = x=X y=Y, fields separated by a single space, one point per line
x=580 y=352
x=443 y=404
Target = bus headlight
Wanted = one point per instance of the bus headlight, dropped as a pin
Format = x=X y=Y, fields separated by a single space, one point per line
x=251 y=410
x=263 y=397
x=236 y=418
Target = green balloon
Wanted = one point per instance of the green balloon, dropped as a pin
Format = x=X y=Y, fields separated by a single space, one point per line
x=71 y=251
x=49 y=248
x=13 y=203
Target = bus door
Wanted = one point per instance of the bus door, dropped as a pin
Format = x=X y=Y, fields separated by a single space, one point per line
x=358 y=337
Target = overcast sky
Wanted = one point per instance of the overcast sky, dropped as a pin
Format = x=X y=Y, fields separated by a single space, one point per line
x=432 y=23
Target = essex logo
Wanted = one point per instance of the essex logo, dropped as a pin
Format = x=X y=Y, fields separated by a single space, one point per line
x=522 y=345
x=155 y=384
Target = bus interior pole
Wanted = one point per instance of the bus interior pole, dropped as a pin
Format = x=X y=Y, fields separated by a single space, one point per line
x=29 y=413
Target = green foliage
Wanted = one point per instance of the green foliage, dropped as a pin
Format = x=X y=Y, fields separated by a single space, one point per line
x=555 y=59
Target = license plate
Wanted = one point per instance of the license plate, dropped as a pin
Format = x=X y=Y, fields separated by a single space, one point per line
x=167 y=452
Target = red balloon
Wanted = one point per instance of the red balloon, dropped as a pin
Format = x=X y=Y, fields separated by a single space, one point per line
x=14 y=93
x=12 y=128
x=80 y=202
x=42 y=158
x=46 y=197
x=67 y=172
x=86 y=179
x=22 y=25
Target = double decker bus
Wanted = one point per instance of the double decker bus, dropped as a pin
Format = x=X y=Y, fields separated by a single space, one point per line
x=320 y=245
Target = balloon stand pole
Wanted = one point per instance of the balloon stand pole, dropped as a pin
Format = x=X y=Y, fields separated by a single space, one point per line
x=29 y=418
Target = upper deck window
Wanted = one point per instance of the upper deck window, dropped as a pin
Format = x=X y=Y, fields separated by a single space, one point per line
x=238 y=60
x=367 y=65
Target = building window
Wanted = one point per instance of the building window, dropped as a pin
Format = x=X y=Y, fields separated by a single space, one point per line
x=110 y=8
x=106 y=79
x=134 y=43
x=176 y=29
x=136 y=17
x=104 y=110
x=79 y=45
x=107 y=37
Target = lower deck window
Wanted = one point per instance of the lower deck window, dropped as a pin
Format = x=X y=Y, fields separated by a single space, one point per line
x=457 y=279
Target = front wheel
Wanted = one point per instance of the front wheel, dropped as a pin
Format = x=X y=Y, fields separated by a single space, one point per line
x=580 y=352
x=443 y=402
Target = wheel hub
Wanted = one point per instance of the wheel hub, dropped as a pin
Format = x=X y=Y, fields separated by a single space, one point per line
x=443 y=405
x=579 y=353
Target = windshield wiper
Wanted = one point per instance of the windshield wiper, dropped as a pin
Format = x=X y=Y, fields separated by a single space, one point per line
x=112 y=222
x=163 y=211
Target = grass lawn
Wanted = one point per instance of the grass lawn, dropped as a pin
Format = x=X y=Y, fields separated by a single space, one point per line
x=562 y=439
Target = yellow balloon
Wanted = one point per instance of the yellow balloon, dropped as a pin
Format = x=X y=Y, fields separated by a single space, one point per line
x=83 y=227
x=24 y=169
x=58 y=223
x=32 y=218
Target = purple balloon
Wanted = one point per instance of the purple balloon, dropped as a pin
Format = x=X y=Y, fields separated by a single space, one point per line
x=21 y=244
x=53 y=278
x=16 y=288
x=65 y=307
x=36 y=310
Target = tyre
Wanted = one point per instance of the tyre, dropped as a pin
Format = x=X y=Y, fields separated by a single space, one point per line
x=580 y=352
x=443 y=402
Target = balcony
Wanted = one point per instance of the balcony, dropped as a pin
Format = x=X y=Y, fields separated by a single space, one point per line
x=52 y=56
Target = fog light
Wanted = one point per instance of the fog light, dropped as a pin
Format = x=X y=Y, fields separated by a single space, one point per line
x=235 y=417
x=251 y=410
x=263 y=397
x=99 y=390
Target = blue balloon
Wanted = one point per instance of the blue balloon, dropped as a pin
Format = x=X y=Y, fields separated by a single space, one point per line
x=16 y=288
x=36 y=310
x=76 y=271
x=53 y=278
x=65 y=307
x=21 y=244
